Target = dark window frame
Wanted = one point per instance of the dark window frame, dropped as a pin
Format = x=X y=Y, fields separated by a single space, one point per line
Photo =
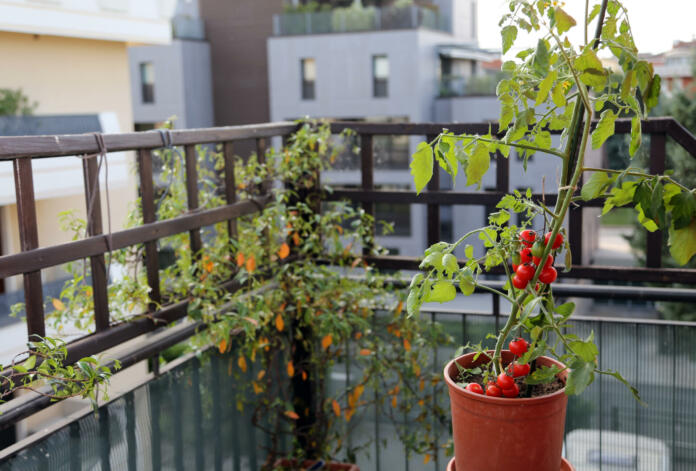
x=307 y=86
x=380 y=85
x=147 y=82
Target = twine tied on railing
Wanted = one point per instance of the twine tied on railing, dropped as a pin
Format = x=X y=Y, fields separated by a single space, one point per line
x=102 y=151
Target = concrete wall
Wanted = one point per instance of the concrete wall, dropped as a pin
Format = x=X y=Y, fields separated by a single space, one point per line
x=66 y=75
x=183 y=84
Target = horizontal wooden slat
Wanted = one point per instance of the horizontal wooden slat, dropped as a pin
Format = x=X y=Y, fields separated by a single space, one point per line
x=623 y=126
x=603 y=273
x=37 y=259
x=481 y=198
x=74 y=144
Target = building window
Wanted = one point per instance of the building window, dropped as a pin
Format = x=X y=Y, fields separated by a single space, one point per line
x=308 y=69
x=380 y=76
x=147 y=82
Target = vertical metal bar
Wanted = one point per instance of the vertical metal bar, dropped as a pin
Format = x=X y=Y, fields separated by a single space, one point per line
x=192 y=193
x=199 y=439
x=674 y=348
x=147 y=202
x=496 y=310
x=376 y=397
x=433 y=212
x=29 y=239
x=155 y=434
x=75 y=447
x=230 y=185
x=601 y=393
x=178 y=431
x=436 y=458
x=658 y=149
x=94 y=227
x=367 y=172
x=131 y=427
x=104 y=439
x=217 y=413
x=575 y=223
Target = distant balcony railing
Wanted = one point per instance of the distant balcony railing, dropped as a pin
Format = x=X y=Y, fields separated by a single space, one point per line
x=342 y=20
x=457 y=85
x=186 y=27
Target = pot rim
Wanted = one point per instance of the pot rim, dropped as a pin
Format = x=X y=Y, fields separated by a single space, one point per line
x=503 y=401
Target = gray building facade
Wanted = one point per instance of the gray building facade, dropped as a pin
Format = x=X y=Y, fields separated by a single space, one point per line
x=174 y=81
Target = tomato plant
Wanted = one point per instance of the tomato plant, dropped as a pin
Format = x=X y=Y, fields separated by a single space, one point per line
x=555 y=85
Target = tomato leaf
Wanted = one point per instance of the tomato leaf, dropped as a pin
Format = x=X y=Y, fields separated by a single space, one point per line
x=441 y=292
x=682 y=243
x=595 y=186
x=422 y=166
x=604 y=129
x=478 y=165
x=581 y=375
x=563 y=20
x=509 y=34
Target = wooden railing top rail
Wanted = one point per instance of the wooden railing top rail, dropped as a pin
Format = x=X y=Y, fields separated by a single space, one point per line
x=75 y=144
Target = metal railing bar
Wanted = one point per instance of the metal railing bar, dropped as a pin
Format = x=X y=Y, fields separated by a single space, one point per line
x=658 y=150
x=25 y=147
x=191 y=159
x=36 y=259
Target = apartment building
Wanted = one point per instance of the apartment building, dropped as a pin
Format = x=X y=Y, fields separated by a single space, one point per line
x=398 y=63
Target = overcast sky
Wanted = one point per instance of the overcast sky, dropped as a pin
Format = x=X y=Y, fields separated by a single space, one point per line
x=656 y=23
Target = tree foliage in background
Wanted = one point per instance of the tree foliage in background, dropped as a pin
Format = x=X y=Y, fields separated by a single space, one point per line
x=15 y=103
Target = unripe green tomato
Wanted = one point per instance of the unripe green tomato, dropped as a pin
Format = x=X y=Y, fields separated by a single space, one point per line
x=537 y=249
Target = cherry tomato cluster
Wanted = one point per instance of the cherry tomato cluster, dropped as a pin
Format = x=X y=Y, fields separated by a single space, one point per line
x=505 y=385
x=526 y=262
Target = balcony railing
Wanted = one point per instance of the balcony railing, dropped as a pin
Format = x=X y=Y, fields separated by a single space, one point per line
x=457 y=85
x=352 y=19
x=659 y=356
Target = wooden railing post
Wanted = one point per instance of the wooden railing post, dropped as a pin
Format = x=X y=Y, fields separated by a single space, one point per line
x=230 y=185
x=147 y=201
x=29 y=239
x=433 y=213
x=192 y=193
x=658 y=151
x=367 y=172
x=100 y=293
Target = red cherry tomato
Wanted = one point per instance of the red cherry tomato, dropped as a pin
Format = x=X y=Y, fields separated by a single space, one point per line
x=527 y=237
x=520 y=370
x=493 y=390
x=525 y=272
x=514 y=267
x=549 y=261
x=519 y=283
x=518 y=347
x=525 y=255
x=548 y=275
x=556 y=243
x=513 y=391
x=505 y=381
x=474 y=388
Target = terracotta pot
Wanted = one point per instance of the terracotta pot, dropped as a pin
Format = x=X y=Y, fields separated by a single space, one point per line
x=524 y=434
x=330 y=466
x=565 y=465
